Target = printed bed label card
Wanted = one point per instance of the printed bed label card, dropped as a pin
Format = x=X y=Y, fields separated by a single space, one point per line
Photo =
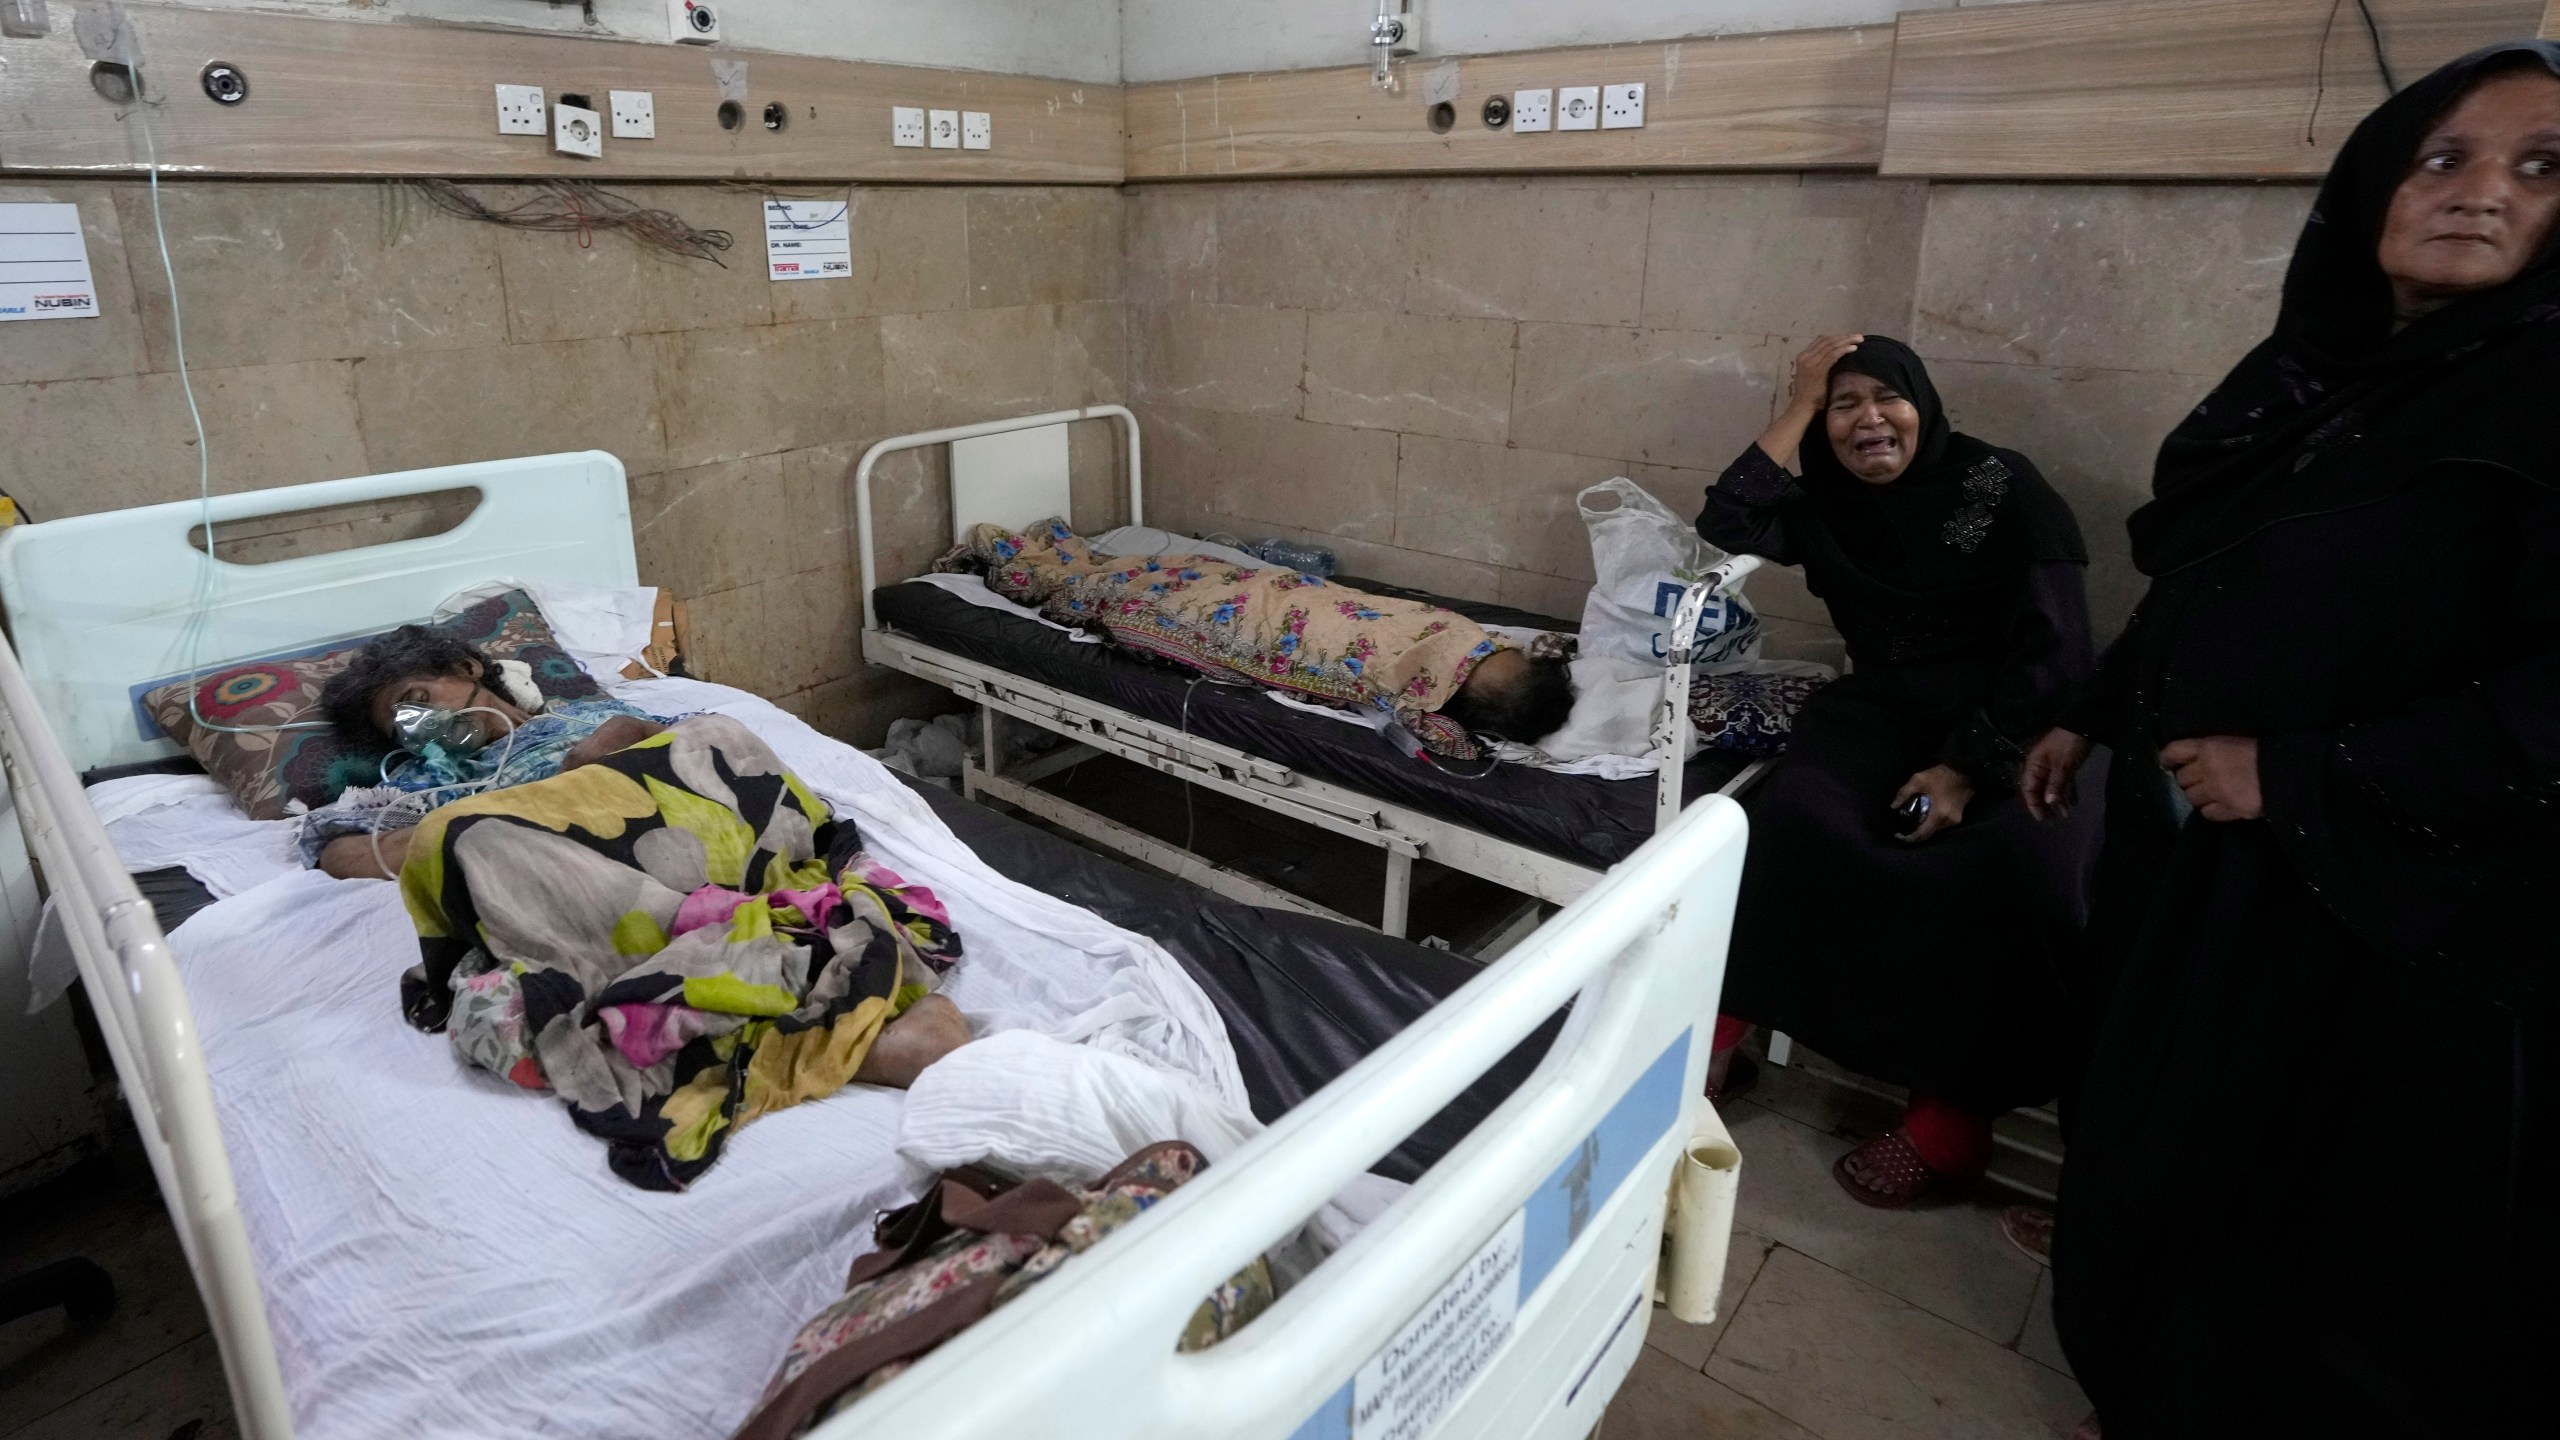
x=44 y=264
x=1405 y=1388
x=808 y=239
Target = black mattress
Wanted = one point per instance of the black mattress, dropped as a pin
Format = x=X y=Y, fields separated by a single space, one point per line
x=1577 y=817
x=1303 y=998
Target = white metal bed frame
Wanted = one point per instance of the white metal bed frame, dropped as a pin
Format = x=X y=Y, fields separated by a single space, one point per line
x=1564 y=1184
x=1404 y=832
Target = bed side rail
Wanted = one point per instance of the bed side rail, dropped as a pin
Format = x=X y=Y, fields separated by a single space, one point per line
x=132 y=981
x=1573 y=1169
x=1670 y=731
x=862 y=477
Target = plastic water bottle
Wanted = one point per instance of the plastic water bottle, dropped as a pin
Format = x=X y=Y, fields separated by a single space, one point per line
x=1309 y=559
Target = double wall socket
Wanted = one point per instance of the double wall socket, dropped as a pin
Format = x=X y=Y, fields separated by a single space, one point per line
x=520 y=111
x=906 y=125
x=635 y=115
x=1533 y=110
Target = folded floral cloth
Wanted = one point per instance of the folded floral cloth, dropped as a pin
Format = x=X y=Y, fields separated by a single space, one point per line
x=1288 y=630
x=675 y=939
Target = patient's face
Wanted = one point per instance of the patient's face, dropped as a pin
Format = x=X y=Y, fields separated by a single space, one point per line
x=2479 y=200
x=460 y=690
x=1873 y=430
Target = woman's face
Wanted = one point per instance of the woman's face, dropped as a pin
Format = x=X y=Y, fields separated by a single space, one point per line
x=2480 y=200
x=459 y=690
x=1873 y=430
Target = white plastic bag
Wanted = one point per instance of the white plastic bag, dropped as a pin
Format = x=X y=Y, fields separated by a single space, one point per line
x=1645 y=558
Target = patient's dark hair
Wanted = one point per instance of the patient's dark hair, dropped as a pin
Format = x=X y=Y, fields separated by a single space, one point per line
x=1528 y=710
x=386 y=660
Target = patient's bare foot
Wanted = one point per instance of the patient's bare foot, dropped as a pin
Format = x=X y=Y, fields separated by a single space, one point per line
x=930 y=1029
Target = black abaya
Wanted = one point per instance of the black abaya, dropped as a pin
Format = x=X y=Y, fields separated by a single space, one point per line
x=2311 y=1183
x=1937 y=965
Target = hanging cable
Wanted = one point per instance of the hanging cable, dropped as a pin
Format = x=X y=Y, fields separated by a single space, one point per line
x=2381 y=62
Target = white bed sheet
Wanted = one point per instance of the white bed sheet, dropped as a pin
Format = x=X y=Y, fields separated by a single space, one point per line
x=444 y=1255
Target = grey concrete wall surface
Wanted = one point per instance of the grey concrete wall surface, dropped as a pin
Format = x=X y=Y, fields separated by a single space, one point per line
x=1422 y=373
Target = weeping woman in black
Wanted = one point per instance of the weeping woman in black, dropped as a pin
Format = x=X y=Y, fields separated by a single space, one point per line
x=2311 y=1186
x=1929 y=958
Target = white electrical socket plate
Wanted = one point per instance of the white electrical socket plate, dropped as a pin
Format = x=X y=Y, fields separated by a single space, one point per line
x=1533 y=110
x=906 y=125
x=977 y=130
x=1578 y=107
x=520 y=111
x=693 y=22
x=942 y=129
x=577 y=132
x=1622 y=107
x=635 y=115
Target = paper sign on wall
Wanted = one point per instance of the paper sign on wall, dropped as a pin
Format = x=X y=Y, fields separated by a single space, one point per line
x=44 y=264
x=808 y=239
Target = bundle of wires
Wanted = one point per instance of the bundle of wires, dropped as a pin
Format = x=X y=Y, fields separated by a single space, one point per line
x=580 y=208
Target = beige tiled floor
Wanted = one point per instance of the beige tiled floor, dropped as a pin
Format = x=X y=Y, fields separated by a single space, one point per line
x=1842 y=1322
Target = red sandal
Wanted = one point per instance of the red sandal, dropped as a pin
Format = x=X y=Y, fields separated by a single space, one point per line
x=1896 y=1175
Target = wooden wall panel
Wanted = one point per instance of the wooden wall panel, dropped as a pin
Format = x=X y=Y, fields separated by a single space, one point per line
x=2168 y=89
x=1805 y=99
x=330 y=97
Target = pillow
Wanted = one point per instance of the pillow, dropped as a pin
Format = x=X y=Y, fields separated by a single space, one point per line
x=266 y=768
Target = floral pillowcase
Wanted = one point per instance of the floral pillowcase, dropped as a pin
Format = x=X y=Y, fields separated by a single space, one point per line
x=267 y=768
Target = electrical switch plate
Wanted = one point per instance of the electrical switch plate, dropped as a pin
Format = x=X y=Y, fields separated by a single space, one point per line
x=520 y=111
x=977 y=130
x=942 y=129
x=1578 y=107
x=906 y=125
x=693 y=22
x=1533 y=110
x=635 y=115
x=1622 y=107
x=577 y=132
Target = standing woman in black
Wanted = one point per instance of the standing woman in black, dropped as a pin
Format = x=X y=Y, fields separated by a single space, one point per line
x=2312 y=1187
x=1927 y=954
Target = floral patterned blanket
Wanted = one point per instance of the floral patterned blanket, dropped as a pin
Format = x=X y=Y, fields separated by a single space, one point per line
x=675 y=939
x=1276 y=627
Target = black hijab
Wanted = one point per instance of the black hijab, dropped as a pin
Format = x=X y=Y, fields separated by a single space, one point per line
x=2334 y=410
x=1961 y=516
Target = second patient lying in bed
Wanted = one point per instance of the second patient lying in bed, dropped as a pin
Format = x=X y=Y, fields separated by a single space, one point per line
x=1437 y=673
x=653 y=919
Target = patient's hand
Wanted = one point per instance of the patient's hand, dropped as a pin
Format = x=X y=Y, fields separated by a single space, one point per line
x=352 y=857
x=1948 y=793
x=619 y=733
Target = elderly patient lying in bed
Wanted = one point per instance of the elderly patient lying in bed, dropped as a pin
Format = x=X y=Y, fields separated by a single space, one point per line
x=1437 y=673
x=654 y=919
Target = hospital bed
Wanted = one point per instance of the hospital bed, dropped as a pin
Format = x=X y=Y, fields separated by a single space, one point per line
x=1549 y=836
x=1504 y=1294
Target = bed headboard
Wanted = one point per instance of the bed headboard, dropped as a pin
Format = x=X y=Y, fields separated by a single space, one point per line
x=98 y=603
